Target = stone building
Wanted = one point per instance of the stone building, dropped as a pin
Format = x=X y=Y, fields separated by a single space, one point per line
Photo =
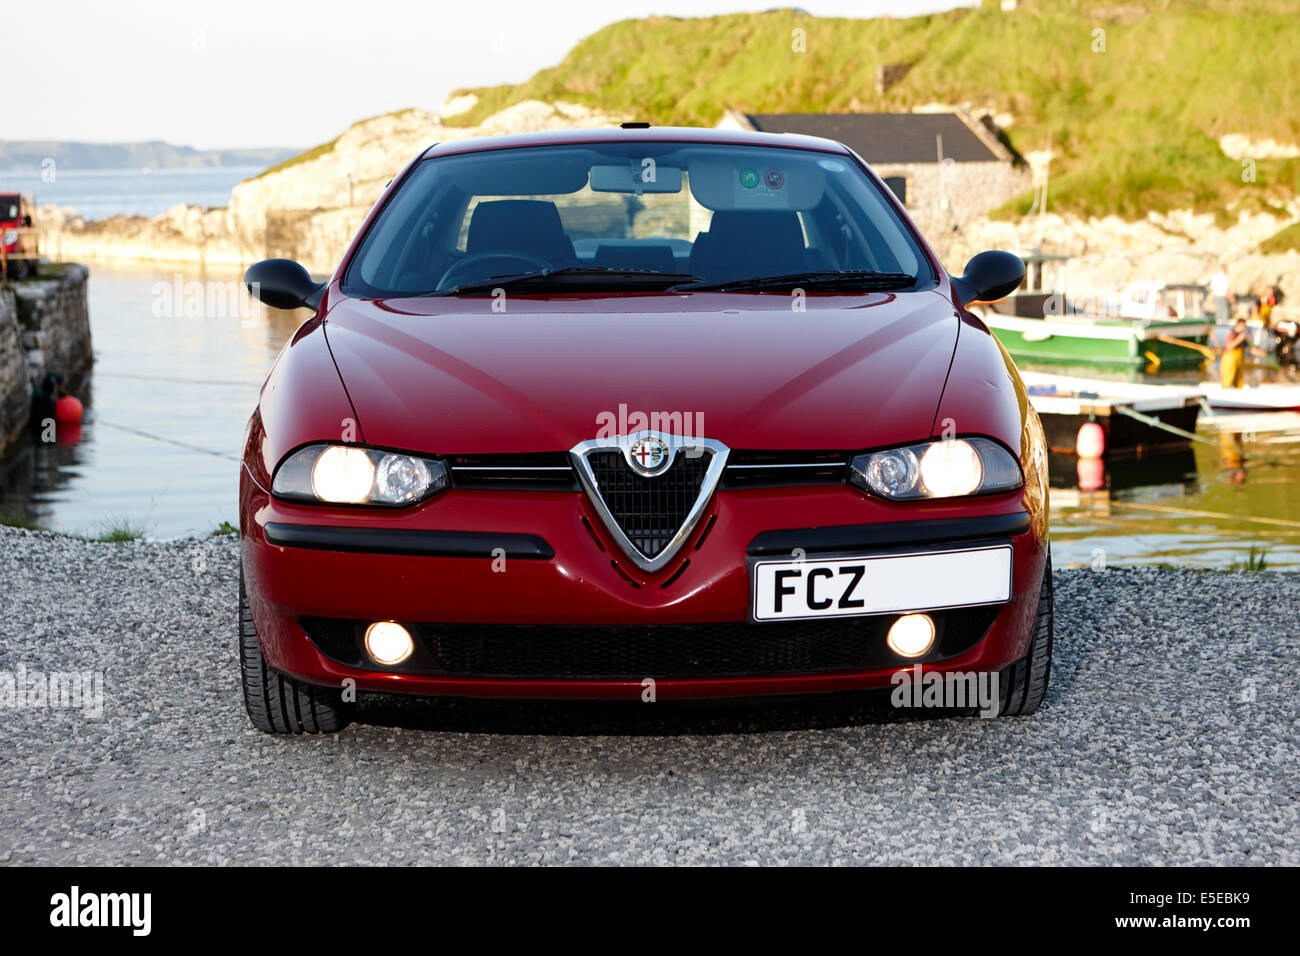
x=948 y=168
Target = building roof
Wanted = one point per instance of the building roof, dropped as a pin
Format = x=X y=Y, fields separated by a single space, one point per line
x=888 y=137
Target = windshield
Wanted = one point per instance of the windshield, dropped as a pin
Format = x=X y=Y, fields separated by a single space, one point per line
x=8 y=208
x=635 y=215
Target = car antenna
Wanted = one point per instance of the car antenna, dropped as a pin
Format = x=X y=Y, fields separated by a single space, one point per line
x=637 y=124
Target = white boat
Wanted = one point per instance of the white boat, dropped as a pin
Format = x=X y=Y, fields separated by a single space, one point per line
x=1270 y=397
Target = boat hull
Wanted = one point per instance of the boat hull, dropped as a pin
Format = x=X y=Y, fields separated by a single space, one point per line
x=1102 y=342
x=1124 y=435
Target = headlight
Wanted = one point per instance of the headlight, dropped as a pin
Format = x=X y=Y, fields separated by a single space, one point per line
x=347 y=474
x=948 y=468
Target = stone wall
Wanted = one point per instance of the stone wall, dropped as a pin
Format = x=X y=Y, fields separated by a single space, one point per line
x=44 y=327
x=15 y=383
x=944 y=199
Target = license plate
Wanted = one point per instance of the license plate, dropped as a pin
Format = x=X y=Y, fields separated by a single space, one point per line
x=881 y=584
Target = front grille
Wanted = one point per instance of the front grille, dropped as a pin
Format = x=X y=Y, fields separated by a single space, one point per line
x=659 y=651
x=553 y=471
x=650 y=511
x=764 y=469
x=544 y=471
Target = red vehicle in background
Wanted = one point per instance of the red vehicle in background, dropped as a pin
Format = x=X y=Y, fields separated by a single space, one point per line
x=19 y=253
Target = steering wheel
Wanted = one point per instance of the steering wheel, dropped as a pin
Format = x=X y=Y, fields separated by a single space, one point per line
x=452 y=277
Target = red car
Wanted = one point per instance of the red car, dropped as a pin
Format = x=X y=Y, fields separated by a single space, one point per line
x=17 y=237
x=639 y=413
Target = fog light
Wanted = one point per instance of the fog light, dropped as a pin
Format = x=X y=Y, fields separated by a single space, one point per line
x=912 y=635
x=388 y=643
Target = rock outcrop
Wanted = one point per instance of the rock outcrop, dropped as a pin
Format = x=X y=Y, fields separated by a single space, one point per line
x=307 y=209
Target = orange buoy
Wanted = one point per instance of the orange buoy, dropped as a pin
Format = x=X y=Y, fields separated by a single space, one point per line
x=1091 y=441
x=68 y=410
x=1092 y=474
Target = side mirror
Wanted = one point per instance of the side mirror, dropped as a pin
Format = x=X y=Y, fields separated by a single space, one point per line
x=27 y=221
x=283 y=284
x=990 y=275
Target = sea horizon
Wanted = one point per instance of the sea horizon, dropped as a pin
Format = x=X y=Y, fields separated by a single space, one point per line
x=104 y=193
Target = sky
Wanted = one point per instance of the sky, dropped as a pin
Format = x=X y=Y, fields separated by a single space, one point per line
x=241 y=73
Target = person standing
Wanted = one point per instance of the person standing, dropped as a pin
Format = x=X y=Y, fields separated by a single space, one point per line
x=1267 y=302
x=1232 y=364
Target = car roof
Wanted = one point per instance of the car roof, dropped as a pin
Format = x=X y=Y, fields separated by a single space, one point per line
x=654 y=134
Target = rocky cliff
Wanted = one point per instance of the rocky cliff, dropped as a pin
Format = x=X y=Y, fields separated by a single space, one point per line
x=306 y=209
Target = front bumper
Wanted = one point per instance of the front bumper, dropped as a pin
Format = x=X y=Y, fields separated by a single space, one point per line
x=539 y=563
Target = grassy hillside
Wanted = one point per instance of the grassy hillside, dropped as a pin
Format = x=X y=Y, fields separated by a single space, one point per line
x=1134 y=127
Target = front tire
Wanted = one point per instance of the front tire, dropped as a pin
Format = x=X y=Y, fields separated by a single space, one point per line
x=277 y=703
x=1026 y=680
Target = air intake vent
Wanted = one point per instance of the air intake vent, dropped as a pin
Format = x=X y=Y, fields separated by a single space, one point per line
x=545 y=471
x=761 y=469
x=650 y=511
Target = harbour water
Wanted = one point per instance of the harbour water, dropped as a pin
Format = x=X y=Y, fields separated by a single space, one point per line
x=175 y=379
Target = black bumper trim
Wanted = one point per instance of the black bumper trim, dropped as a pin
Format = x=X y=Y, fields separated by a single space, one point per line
x=861 y=537
x=436 y=544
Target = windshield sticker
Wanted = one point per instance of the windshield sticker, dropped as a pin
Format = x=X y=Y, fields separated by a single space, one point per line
x=755 y=190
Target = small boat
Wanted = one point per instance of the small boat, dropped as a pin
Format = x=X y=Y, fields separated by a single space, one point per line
x=1137 y=419
x=1155 y=323
x=1102 y=341
x=1269 y=397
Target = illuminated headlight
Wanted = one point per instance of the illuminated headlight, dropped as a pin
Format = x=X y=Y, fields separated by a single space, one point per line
x=348 y=474
x=948 y=468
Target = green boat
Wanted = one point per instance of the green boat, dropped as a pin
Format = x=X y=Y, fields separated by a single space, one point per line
x=1102 y=341
x=1156 y=324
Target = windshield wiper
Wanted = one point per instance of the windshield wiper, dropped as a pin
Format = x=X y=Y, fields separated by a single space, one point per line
x=575 y=277
x=853 y=279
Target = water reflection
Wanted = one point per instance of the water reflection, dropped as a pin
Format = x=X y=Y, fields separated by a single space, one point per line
x=1232 y=457
x=1193 y=506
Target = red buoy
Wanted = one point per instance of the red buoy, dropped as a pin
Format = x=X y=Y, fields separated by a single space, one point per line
x=68 y=410
x=1091 y=440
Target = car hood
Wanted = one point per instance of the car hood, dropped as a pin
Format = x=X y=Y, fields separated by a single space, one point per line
x=476 y=375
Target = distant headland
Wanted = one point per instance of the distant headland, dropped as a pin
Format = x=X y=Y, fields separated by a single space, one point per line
x=33 y=155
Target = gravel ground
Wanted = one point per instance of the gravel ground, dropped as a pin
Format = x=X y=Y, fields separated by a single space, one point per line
x=1168 y=737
